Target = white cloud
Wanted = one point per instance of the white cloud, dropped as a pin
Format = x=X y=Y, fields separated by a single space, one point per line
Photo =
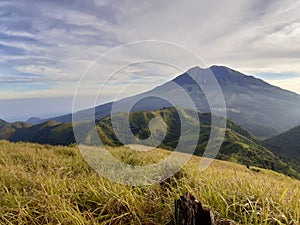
x=291 y=84
x=60 y=40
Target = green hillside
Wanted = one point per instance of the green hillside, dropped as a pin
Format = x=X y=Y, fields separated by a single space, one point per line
x=42 y=184
x=50 y=132
x=238 y=145
x=287 y=146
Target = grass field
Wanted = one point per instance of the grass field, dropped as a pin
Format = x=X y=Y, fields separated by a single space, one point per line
x=42 y=184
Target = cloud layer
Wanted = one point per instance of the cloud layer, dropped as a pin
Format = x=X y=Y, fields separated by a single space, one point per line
x=45 y=46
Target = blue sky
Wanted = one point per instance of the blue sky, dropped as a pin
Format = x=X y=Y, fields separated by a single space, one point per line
x=46 y=46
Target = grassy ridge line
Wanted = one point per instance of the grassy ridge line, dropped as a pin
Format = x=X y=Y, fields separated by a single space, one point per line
x=239 y=145
x=42 y=184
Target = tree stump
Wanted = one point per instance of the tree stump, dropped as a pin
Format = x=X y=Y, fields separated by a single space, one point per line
x=189 y=211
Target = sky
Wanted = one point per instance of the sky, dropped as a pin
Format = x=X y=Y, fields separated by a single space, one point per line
x=48 y=47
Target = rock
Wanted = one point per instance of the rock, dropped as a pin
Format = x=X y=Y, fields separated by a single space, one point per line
x=189 y=211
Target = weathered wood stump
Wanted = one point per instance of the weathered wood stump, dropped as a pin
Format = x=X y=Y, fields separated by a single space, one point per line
x=189 y=211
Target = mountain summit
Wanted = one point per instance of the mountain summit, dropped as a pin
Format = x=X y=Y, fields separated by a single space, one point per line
x=254 y=104
x=258 y=106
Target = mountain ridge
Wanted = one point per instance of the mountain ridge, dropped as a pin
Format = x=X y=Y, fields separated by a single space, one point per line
x=262 y=108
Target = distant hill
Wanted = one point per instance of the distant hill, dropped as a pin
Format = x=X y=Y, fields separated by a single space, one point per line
x=50 y=132
x=239 y=145
x=286 y=145
x=261 y=108
x=33 y=120
x=9 y=129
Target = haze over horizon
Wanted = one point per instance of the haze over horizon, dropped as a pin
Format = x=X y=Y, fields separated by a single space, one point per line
x=45 y=49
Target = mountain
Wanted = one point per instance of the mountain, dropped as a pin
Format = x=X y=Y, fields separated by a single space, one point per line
x=239 y=145
x=286 y=145
x=261 y=108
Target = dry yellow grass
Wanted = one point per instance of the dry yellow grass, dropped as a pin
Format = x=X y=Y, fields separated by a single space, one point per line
x=53 y=185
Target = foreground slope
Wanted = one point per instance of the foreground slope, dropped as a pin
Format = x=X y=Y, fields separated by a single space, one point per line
x=42 y=184
x=264 y=109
